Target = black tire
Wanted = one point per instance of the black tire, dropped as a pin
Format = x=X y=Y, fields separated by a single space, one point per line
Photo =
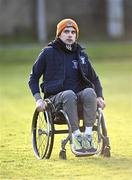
x=105 y=151
x=99 y=132
x=42 y=134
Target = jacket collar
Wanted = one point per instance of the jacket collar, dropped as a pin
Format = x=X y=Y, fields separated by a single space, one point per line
x=59 y=44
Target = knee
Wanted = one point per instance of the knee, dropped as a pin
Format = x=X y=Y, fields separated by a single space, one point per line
x=89 y=93
x=69 y=95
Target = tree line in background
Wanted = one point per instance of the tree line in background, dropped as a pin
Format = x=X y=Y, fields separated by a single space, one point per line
x=37 y=19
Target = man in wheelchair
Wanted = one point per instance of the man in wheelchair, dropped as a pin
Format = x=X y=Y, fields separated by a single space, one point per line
x=69 y=79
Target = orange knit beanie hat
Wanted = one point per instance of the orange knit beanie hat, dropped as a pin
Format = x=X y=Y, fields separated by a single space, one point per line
x=66 y=23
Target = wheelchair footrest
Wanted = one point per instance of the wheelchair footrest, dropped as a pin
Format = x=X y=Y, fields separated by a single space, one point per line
x=85 y=152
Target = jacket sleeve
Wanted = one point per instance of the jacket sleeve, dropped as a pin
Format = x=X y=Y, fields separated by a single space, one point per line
x=37 y=70
x=93 y=77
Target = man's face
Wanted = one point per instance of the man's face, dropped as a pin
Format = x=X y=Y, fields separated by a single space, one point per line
x=68 y=35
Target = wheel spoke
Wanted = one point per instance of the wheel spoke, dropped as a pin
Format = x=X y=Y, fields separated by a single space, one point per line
x=43 y=132
x=41 y=145
x=43 y=136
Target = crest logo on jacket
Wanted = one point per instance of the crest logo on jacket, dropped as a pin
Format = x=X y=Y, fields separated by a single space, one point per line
x=82 y=58
x=75 y=64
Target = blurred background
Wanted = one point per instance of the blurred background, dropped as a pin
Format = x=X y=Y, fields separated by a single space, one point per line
x=35 y=20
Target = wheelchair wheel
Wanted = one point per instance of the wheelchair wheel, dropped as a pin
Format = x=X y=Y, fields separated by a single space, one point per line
x=97 y=139
x=100 y=138
x=106 y=142
x=42 y=134
x=102 y=133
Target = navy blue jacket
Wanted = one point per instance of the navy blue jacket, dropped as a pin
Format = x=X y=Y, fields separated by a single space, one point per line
x=51 y=66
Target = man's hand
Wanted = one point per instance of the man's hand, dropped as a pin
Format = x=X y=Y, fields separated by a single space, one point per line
x=100 y=102
x=40 y=105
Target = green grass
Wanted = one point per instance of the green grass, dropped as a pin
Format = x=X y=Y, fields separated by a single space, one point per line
x=16 y=108
x=97 y=52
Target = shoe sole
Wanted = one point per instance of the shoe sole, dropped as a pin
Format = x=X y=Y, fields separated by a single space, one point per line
x=85 y=153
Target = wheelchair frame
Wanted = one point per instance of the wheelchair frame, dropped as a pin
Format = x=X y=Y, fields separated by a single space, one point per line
x=44 y=129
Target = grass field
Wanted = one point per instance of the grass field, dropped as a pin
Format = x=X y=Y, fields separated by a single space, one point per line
x=17 y=160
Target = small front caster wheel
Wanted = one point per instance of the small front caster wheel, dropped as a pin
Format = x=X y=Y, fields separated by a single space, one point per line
x=62 y=154
x=106 y=151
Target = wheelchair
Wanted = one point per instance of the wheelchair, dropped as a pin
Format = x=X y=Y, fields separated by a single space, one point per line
x=44 y=129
